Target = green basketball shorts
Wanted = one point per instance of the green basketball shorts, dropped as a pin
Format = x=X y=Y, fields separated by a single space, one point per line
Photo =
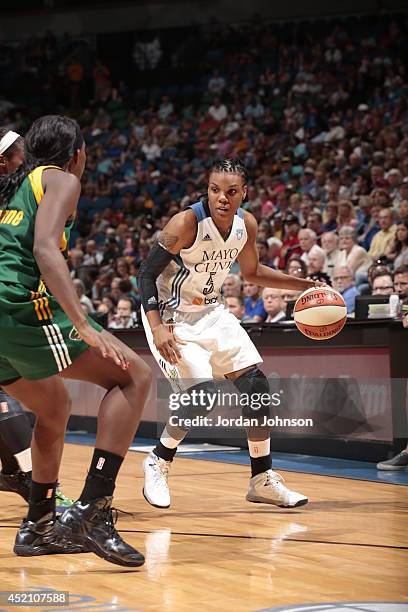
x=37 y=339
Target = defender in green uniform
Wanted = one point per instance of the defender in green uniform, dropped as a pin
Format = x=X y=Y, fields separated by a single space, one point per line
x=37 y=338
x=46 y=335
x=15 y=428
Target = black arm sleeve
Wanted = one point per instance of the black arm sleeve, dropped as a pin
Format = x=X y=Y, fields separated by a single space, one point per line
x=154 y=264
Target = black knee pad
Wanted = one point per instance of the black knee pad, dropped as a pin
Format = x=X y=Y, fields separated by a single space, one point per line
x=193 y=410
x=9 y=407
x=255 y=386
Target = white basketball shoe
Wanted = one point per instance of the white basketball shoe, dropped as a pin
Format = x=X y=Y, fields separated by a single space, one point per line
x=156 y=474
x=268 y=488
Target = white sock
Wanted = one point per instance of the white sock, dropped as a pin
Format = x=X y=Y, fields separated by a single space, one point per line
x=23 y=459
x=259 y=448
x=168 y=441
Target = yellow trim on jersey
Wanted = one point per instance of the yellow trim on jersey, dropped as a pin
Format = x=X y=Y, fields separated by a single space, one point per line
x=63 y=242
x=38 y=191
x=36 y=183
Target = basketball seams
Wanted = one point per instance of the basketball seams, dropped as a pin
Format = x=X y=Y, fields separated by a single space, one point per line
x=315 y=304
x=311 y=331
x=321 y=326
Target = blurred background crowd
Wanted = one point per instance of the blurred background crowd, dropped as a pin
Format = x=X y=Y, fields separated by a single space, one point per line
x=318 y=112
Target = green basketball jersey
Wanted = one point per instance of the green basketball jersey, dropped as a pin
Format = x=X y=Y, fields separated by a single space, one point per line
x=17 y=224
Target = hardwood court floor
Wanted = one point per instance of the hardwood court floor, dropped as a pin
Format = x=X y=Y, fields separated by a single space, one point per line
x=214 y=551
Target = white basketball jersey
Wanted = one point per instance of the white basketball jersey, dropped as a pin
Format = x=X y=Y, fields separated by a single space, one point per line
x=193 y=280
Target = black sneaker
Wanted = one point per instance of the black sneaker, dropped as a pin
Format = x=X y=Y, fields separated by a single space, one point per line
x=20 y=483
x=40 y=538
x=399 y=462
x=91 y=524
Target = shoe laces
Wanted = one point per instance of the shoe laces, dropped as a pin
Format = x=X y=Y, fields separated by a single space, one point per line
x=273 y=479
x=61 y=497
x=161 y=470
x=109 y=516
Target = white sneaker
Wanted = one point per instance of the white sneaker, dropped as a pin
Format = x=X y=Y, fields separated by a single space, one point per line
x=267 y=488
x=156 y=473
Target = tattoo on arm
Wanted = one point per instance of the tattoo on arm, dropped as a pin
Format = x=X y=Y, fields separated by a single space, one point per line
x=167 y=241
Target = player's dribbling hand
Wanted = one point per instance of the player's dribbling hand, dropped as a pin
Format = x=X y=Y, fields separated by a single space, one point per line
x=167 y=343
x=109 y=346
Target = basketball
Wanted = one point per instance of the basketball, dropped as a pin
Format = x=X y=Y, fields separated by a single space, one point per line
x=320 y=313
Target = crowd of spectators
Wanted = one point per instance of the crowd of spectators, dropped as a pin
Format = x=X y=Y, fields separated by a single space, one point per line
x=321 y=122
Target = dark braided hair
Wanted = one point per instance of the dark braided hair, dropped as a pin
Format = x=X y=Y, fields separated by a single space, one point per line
x=229 y=164
x=233 y=165
x=17 y=144
x=51 y=140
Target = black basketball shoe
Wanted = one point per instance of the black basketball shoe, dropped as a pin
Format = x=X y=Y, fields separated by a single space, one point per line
x=19 y=482
x=40 y=538
x=91 y=524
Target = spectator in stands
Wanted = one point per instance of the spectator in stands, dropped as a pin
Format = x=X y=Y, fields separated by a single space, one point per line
x=254 y=308
x=85 y=301
x=330 y=243
x=216 y=84
x=103 y=309
x=401 y=281
x=75 y=260
x=344 y=283
x=353 y=255
x=289 y=298
x=263 y=253
x=235 y=304
x=369 y=227
x=151 y=149
x=92 y=256
x=386 y=236
x=166 y=109
x=273 y=305
x=218 y=110
x=296 y=267
x=383 y=285
x=398 y=249
x=315 y=222
x=125 y=317
x=330 y=215
x=274 y=248
x=290 y=243
x=347 y=215
x=307 y=240
x=376 y=269
x=232 y=286
x=112 y=251
x=402 y=213
x=317 y=260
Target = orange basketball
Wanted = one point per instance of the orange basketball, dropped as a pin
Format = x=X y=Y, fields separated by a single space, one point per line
x=320 y=313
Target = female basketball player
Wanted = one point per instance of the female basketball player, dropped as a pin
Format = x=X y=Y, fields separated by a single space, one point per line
x=44 y=337
x=180 y=283
x=15 y=428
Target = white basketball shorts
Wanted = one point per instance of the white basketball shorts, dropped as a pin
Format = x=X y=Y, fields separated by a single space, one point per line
x=216 y=345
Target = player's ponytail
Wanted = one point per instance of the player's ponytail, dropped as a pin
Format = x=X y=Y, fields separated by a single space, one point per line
x=9 y=183
x=51 y=141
